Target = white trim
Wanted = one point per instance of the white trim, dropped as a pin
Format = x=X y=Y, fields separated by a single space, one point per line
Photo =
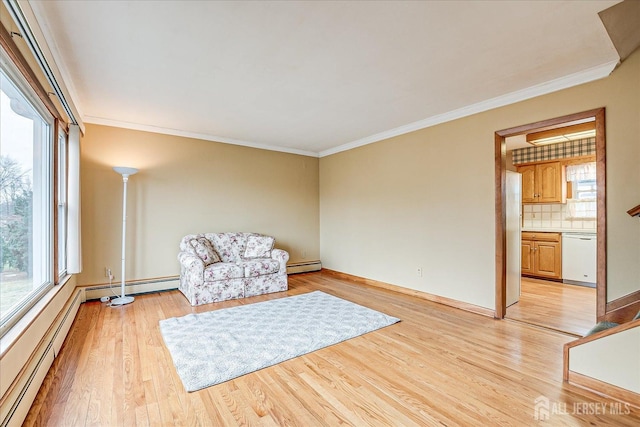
x=50 y=52
x=74 y=209
x=153 y=285
x=575 y=79
x=27 y=90
x=42 y=208
x=565 y=82
x=46 y=46
x=196 y=135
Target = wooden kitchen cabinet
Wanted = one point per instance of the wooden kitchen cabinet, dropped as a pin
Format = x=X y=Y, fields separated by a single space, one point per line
x=543 y=183
x=527 y=257
x=542 y=255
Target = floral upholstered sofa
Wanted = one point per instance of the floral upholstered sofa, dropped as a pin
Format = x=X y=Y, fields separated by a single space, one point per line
x=222 y=266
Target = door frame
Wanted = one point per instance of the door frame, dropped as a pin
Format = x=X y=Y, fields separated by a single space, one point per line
x=500 y=203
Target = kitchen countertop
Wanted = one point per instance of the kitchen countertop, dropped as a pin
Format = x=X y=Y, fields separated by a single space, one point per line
x=559 y=230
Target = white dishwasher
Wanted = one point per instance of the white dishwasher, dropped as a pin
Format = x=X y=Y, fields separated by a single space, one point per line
x=579 y=258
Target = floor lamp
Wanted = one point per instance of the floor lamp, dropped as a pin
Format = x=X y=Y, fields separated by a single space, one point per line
x=126 y=173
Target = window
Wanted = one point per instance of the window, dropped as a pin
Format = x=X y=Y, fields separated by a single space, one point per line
x=62 y=204
x=584 y=189
x=26 y=200
x=582 y=203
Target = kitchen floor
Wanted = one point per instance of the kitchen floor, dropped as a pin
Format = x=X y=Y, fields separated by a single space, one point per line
x=554 y=305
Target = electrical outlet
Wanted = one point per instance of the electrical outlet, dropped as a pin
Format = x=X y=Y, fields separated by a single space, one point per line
x=419 y=271
x=304 y=254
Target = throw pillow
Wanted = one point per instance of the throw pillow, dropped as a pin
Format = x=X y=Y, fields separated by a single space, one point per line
x=259 y=246
x=205 y=250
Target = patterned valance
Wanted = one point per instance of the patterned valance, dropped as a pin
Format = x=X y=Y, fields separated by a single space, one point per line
x=563 y=150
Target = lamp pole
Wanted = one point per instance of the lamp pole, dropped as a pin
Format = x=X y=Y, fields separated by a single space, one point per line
x=125 y=172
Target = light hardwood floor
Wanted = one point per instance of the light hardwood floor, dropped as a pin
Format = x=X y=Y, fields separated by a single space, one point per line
x=567 y=308
x=438 y=366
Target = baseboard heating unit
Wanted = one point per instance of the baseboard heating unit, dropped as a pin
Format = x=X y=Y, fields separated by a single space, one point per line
x=304 y=267
x=20 y=397
x=93 y=292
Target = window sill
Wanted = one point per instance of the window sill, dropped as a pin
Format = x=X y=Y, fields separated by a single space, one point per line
x=20 y=328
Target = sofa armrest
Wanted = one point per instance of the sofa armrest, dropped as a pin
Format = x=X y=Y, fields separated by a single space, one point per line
x=191 y=266
x=282 y=257
x=191 y=261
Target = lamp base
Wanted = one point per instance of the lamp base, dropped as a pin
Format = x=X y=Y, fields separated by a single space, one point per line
x=122 y=300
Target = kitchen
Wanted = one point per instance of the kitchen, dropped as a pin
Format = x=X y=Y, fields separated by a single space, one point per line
x=552 y=228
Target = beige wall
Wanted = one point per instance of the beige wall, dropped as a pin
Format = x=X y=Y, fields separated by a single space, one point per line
x=188 y=186
x=426 y=199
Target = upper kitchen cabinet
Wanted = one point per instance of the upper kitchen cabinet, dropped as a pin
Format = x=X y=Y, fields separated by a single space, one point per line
x=543 y=183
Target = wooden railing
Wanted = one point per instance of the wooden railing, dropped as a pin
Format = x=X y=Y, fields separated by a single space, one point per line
x=594 y=384
x=627 y=306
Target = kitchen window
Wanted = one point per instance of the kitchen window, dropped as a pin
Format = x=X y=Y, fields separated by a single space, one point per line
x=582 y=203
x=585 y=190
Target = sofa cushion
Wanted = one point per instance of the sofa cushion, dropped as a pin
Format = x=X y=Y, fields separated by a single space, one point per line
x=259 y=267
x=205 y=250
x=258 y=246
x=230 y=246
x=223 y=271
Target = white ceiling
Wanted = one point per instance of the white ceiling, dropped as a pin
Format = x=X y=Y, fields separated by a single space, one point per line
x=315 y=77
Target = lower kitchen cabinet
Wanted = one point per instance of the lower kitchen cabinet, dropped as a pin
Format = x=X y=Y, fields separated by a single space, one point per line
x=542 y=255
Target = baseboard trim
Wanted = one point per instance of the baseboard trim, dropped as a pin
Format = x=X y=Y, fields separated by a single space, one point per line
x=623 y=309
x=141 y=286
x=624 y=301
x=420 y=294
x=130 y=282
x=604 y=389
x=133 y=287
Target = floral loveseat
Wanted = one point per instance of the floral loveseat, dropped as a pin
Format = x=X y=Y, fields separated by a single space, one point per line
x=222 y=266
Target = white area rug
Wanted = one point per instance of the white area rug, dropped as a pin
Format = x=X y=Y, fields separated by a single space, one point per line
x=213 y=347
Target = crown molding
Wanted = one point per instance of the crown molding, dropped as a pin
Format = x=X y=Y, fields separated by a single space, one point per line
x=555 y=85
x=195 y=135
x=575 y=79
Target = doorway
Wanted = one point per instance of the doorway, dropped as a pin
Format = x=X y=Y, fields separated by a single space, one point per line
x=597 y=116
x=566 y=308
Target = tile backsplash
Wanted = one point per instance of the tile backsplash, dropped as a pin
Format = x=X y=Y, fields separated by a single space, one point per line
x=553 y=216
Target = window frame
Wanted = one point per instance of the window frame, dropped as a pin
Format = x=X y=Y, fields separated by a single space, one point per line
x=61 y=183
x=576 y=190
x=46 y=198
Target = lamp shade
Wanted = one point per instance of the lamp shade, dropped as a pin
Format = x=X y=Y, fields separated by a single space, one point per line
x=125 y=171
